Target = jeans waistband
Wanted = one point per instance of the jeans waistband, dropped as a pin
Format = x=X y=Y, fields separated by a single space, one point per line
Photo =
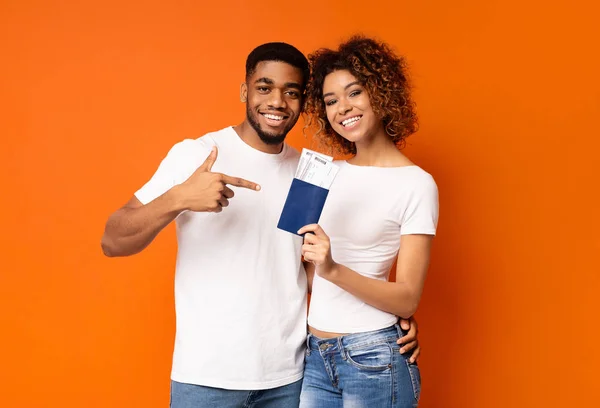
x=349 y=341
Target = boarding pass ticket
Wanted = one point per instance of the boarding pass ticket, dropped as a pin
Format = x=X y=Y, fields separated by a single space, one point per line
x=316 y=168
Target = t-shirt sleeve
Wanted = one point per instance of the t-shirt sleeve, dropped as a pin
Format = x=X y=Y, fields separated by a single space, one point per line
x=181 y=161
x=422 y=210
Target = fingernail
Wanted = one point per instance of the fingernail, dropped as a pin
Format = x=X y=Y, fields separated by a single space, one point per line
x=402 y=351
x=257 y=187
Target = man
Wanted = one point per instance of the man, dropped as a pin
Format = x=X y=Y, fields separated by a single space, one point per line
x=240 y=286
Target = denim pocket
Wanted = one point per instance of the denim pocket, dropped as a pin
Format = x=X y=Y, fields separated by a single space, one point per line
x=374 y=356
x=415 y=379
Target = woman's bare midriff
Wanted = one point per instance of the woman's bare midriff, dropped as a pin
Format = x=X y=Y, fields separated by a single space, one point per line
x=324 y=334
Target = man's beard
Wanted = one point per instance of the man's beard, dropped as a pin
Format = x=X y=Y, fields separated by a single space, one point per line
x=267 y=138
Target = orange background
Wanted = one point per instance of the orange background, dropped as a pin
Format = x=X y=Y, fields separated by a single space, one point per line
x=93 y=94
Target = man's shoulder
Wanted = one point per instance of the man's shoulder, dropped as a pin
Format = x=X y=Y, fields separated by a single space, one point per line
x=217 y=135
x=204 y=143
x=215 y=138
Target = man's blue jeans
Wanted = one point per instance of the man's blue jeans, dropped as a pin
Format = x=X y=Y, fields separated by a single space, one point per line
x=198 y=396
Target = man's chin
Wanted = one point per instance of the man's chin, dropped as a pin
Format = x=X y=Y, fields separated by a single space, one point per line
x=272 y=139
x=266 y=136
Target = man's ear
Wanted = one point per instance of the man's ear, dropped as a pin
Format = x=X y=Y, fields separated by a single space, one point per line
x=243 y=92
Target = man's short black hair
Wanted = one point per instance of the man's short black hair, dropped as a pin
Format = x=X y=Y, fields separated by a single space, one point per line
x=277 y=51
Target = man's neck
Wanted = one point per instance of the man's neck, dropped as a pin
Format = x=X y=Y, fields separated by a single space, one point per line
x=249 y=136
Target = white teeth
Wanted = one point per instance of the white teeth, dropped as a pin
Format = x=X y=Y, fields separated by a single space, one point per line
x=273 y=117
x=351 y=120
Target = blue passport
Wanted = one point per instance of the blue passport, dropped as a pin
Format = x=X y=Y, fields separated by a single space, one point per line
x=303 y=206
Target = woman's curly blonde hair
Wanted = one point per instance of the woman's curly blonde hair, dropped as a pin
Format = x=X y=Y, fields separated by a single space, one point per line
x=381 y=72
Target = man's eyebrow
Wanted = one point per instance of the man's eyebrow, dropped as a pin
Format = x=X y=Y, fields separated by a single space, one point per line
x=294 y=85
x=265 y=80
x=346 y=87
x=269 y=81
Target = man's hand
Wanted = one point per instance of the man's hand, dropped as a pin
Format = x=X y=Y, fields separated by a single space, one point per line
x=409 y=341
x=205 y=191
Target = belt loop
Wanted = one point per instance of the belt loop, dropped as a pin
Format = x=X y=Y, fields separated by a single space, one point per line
x=399 y=329
x=308 y=336
x=341 y=347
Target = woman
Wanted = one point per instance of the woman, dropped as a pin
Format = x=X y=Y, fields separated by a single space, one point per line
x=381 y=208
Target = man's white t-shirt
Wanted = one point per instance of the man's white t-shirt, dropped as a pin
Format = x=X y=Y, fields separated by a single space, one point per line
x=240 y=288
x=367 y=211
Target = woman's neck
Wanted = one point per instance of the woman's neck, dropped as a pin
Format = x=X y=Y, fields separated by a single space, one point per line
x=380 y=152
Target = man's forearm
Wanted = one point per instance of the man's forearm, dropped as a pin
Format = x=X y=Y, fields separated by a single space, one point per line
x=130 y=230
